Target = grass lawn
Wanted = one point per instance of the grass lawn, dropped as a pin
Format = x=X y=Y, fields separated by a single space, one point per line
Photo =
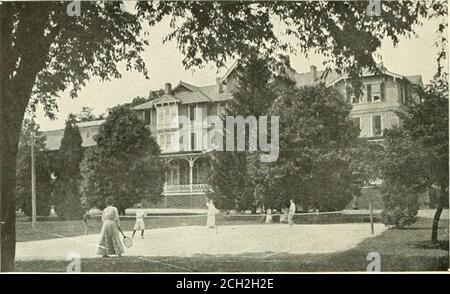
x=400 y=250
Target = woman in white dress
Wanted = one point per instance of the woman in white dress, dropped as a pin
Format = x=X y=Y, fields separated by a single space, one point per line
x=110 y=242
x=212 y=210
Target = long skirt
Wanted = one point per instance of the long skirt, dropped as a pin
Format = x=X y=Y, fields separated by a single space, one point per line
x=211 y=220
x=110 y=242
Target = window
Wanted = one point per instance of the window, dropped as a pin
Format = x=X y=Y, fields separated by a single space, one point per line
x=369 y=92
x=166 y=114
x=354 y=99
x=408 y=95
x=376 y=92
x=162 y=141
x=147 y=116
x=376 y=126
x=160 y=116
x=173 y=114
x=357 y=122
x=192 y=110
x=193 y=141
x=181 y=143
x=168 y=142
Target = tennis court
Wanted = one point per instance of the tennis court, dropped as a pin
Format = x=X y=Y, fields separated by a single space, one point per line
x=258 y=240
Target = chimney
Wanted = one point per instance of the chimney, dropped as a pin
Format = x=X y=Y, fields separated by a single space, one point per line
x=219 y=85
x=168 y=89
x=313 y=72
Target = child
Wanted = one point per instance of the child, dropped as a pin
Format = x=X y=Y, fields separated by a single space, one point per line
x=140 y=223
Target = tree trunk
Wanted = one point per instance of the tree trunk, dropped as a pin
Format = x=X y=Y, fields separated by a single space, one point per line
x=16 y=83
x=437 y=215
x=10 y=127
x=8 y=180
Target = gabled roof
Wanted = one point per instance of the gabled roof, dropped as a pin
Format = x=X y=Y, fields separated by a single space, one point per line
x=185 y=93
x=191 y=88
x=367 y=72
x=416 y=79
x=165 y=99
x=306 y=79
x=54 y=137
x=145 y=105
x=229 y=71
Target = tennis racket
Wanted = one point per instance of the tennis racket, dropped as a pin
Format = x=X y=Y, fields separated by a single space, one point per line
x=127 y=242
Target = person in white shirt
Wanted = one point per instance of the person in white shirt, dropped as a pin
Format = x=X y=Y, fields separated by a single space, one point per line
x=269 y=219
x=212 y=210
x=291 y=213
x=140 y=223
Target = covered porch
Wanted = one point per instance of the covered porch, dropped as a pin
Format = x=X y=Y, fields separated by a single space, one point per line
x=188 y=174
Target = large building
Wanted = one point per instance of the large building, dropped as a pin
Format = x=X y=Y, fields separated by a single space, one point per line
x=187 y=143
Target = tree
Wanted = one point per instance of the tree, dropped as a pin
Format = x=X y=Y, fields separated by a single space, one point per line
x=316 y=136
x=234 y=187
x=67 y=198
x=43 y=165
x=87 y=114
x=417 y=152
x=402 y=167
x=125 y=163
x=44 y=51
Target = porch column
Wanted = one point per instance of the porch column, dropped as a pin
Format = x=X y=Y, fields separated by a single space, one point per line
x=191 y=173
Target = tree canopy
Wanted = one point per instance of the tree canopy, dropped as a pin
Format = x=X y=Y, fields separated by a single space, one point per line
x=125 y=163
x=45 y=52
x=416 y=157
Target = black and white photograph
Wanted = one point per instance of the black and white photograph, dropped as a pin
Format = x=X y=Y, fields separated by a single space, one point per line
x=224 y=137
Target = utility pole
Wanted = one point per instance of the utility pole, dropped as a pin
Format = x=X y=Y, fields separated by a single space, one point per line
x=371 y=216
x=33 y=184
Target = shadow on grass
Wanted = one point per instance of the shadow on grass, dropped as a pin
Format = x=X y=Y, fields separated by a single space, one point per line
x=442 y=245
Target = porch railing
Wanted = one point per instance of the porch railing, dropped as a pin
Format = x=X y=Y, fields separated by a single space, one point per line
x=186 y=188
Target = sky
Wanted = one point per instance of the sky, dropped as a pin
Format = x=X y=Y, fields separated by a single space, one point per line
x=164 y=61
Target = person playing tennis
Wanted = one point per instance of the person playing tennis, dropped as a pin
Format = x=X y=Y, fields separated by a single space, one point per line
x=291 y=214
x=269 y=219
x=140 y=222
x=212 y=210
x=110 y=242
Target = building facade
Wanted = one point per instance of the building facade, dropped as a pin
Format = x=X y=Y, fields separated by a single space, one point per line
x=176 y=120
